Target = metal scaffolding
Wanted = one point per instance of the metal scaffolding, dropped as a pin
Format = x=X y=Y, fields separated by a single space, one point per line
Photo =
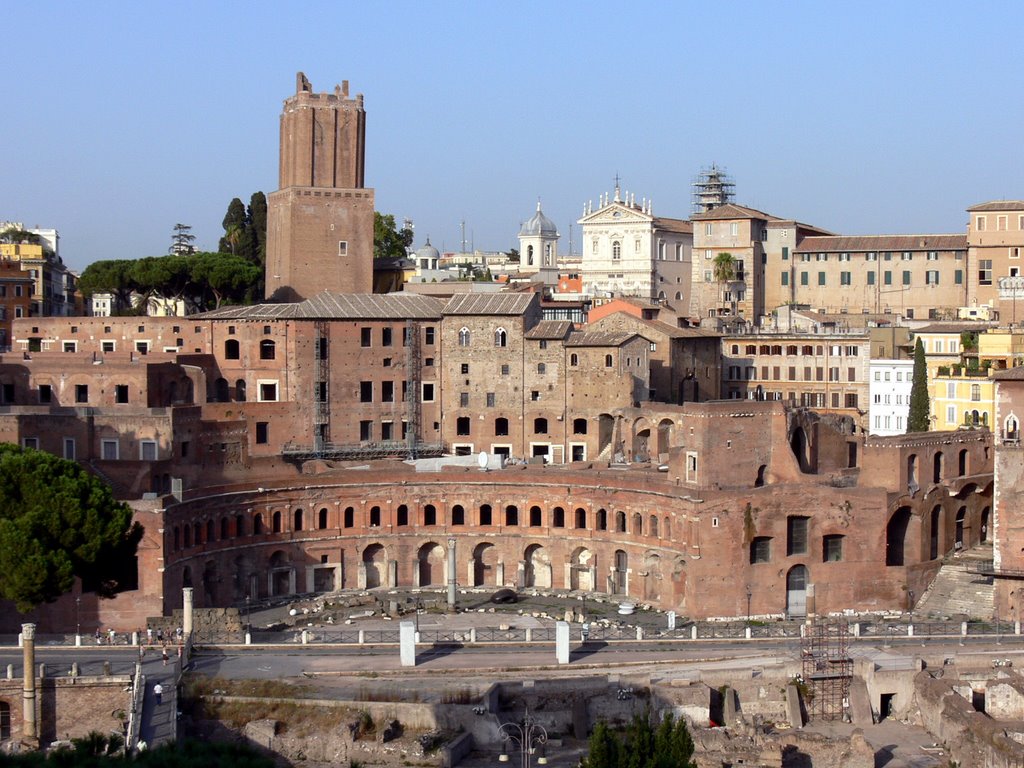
x=827 y=669
x=412 y=389
x=711 y=188
x=321 y=397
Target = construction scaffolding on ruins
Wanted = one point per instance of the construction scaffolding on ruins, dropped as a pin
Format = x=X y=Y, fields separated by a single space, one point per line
x=827 y=669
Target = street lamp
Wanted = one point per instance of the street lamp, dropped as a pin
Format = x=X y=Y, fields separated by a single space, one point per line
x=749 y=595
x=78 y=616
x=527 y=737
x=248 y=626
x=911 y=594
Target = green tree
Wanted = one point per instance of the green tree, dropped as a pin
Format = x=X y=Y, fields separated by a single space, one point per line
x=724 y=268
x=57 y=522
x=17 y=235
x=237 y=238
x=112 y=276
x=169 y=277
x=257 y=222
x=182 y=241
x=919 y=418
x=228 y=278
x=603 y=748
x=389 y=242
x=641 y=745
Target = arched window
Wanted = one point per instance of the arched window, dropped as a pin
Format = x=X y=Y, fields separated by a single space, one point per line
x=574 y=359
x=558 y=517
x=239 y=525
x=430 y=515
x=501 y=426
x=652 y=526
x=529 y=255
x=500 y=338
x=240 y=390
x=402 y=515
x=321 y=518
x=536 y=517
x=620 y=522
x=177 y=538
x=268 y=350
x=231 y=350
x=485 y=515
x=349 y=517
x=220 y=391
x=607 y=361
x=458 y=515
x=511 y=515
x=375 y=517
x=224 y=529
x=464 y=337
x=1011 y=430
x=602 y=520
x=547 y=255
x=276 y=522
x=197 y=534
x=616 y=249
x=666 y=530
x=638 y=524
x=540 y=426
x=297 y=520
x=187 y=530
x=5 y=721
x=581 y=518
x=210 y=531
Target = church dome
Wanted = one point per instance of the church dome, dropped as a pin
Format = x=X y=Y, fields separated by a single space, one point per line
x=539 y=224
x=428 y=252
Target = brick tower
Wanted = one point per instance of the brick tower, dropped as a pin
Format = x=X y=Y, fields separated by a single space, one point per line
x=320 y=220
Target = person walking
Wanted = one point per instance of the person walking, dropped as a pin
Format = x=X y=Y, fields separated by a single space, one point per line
x=166 y=656
x=158 y=691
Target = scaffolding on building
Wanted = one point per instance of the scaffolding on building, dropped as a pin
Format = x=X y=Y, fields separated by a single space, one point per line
x=827 y=669
x=413 y=388
x=712 y=187
x=322 y=408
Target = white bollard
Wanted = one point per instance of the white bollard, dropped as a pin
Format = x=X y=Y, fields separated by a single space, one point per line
x=671 y=619
x=407 y=643
x=693 y=632
x=472 y=635
x=248 y=638
x=305 y=637
x=562 y=642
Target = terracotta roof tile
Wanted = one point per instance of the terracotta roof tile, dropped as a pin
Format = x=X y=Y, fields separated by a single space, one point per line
x=489 y=304
x=859 y=243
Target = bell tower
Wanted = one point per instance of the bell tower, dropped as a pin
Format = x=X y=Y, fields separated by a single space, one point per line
x=320 y=220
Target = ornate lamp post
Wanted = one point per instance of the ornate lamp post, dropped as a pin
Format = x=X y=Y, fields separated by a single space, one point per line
x=526 y=737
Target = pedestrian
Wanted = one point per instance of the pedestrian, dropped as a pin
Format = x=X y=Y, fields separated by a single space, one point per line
x=99 y=637
x=149 y=635
x=178 y=633
x=158 y=691
x=142 y=652
x=166 y=656
x=160 y=635
x=113 y=636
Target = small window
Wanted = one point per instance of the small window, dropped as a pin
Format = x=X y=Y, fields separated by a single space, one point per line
x=462 y=425
x=385 y=337
x=268 y=391
x=504 y=370
x=342 y=248
x=464 y=369
x=268 y=350
x=574 y=359
x=500 y=338
x=541 y=368
x=796 y=535
x=366 y=391
x=607 y=361
x=831 y=549
x=232 y=350
x=109 y=450
x=365 y=337
x=108 y=346
x=45 y=393
x=121 y=393
x=761 y=549
x=147 y=450
x=428 y=335
x=81 y=393
x=464 y=337
x=30 y=442
x=428 y=392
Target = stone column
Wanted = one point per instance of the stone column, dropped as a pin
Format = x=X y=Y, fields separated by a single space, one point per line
x=407 y=643
x=186 y=611
x=562 y=642
x=29 y=730
x=452 y=576
x=499 y=570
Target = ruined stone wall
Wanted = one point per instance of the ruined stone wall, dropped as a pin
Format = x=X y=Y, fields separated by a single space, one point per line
x=70 y=707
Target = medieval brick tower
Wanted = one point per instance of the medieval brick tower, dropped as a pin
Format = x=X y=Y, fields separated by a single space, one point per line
x=320 y=220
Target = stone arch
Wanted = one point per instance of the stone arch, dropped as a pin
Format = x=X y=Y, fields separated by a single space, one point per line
x=665 y=427
x=799 y=445
x=983 y=529
x=537 y=567
x=581 y=567
x=620 y=522
x=605 y=434
x=938 y=466
x=431 y=562
x=935 y=533
x=374 y=562
x=959 y=540
x=912 y=484
x=896 y=537
x=580 y=522
x=652 y=526
x=620 y=573
x=652 y=576
x=963 y=462
x=485 y=558
x=796 y=591
x=281 y=574
x=297 y=520
x=642 y=442
x=638 y=524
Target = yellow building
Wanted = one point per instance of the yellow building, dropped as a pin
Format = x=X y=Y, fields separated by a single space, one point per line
x=964 y=399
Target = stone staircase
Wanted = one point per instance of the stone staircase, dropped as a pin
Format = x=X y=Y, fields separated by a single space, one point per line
x=956 y=592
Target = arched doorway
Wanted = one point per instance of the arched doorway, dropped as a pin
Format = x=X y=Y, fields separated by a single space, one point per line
x=580 y=565
x=935 y=529
x=664 y=437
x=280 y=574
x=374 y=563
x=796 y=591
x=431 y=564
x=958 y=538
x=605 y=432
x=620 y=575
x=983 y=533
x=896 y=536
x=798 y=444
x=652 y=577
x=484 y=559
x=642 y=445
x=538 y=567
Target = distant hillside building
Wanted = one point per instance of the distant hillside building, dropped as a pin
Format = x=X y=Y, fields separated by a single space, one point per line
x=320 y=220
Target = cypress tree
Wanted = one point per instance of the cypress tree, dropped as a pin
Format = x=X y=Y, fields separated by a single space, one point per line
x=918 y=419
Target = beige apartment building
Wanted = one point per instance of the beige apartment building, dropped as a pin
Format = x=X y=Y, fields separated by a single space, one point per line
x=916 y=276
x=995 y=242
x=827 y=372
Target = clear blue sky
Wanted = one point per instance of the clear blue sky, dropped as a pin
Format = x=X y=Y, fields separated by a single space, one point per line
x=121 y=119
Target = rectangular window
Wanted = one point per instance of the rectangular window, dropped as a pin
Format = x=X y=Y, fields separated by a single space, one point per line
x=785 y=253
x=108 y=346
x=387 y=391
x=464 y=399
x=81 y=393
x=464 y=369
x=69 y=448
x=428 y=392
x=387 y=430
x=30 y=442
x=844 y=278
x=906 y=277
x=785 y=278
x=70 y=346
x=796 y=535
x=45 y=393
x=365 y=337
x=761 y=549
x=366 y=430
x=120 y=393
x=147 y=450
x=734 y=229
x=887 y=277
x=951 y=414
x=933 y=255
x=541 y=368
x=109 y=450
x=343 y=248
x=931 y=277
x=832 y=548
x=851 y=399
x=803 y=278
x=958 y=277
x=385 y=337
x=985 y=271
x=267 y=391
x=871 y=277
x=490 y=399
x=951 y=390
x=428 y=335
x=366 y=391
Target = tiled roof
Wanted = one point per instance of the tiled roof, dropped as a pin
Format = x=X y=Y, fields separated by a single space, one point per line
x=998 y=205
x=732 y=211
x=858 y=243
x=489 y=304
x=966 y=325
x=1010 y=374
x=598 y=339
x=550 y=329
x=357 y=306
x=674 y=225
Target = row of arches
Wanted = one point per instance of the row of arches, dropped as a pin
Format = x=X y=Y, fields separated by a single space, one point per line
x=939 y=470
x=935 y=536
x=242 y=524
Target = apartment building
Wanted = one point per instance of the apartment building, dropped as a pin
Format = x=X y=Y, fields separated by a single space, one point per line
x=889 y=392
x=995 y=242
